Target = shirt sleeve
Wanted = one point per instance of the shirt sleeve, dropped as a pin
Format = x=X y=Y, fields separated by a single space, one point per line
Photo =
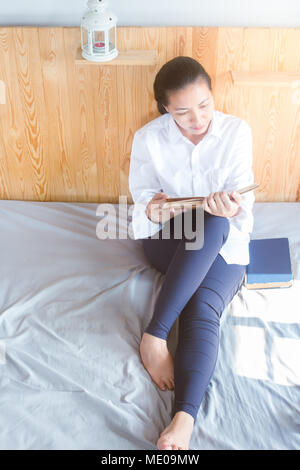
x=241 y=175
x=143 y=185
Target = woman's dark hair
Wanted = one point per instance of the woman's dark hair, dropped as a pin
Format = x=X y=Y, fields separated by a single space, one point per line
x=175 y=75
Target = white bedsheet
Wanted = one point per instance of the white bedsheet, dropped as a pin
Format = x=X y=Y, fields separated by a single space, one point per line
x=72 y=312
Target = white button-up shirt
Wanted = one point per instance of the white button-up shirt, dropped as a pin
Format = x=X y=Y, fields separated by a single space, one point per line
x=162 y=158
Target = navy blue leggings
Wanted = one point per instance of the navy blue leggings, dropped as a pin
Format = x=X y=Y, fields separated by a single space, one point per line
x=198 y=285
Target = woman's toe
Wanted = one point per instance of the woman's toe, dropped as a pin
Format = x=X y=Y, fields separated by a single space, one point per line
x=163 y=386
x=167 y=447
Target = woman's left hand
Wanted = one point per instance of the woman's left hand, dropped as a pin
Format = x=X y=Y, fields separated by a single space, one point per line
x=221 y=205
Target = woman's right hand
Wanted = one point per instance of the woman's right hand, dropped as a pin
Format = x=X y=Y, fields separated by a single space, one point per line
x=157 y=213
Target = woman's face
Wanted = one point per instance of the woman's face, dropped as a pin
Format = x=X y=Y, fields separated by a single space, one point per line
x=198 y=107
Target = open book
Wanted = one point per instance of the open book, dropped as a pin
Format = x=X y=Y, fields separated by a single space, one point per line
x=191 y=202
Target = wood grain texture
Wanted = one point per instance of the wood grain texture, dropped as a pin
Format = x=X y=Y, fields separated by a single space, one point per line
x=131 y=57
x=2 y=93
x=66 y=127
x=264 y=78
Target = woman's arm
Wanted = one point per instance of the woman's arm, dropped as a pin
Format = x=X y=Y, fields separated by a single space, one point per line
x=242 y=175
x=143 y=184
x=239 y=211
x=143 y=181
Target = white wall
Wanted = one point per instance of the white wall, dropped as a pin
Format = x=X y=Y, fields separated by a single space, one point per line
x=281 y=13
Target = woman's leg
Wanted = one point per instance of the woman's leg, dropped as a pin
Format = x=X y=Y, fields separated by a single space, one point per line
x=187 y=393
x=197 y=349
x=154 y=351
x=185 y=273
x=198 y=340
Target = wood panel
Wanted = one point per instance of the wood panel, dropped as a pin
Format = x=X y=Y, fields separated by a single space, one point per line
x=66 y=128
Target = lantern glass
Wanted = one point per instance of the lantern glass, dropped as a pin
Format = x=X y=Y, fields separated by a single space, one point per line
x=98 y=42
x=112 y=39
x=84 y=38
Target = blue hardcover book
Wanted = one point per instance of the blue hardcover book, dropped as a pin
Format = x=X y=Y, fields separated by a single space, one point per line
x=270 y=264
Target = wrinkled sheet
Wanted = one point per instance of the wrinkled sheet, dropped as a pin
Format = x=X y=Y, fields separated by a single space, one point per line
x=73 y=310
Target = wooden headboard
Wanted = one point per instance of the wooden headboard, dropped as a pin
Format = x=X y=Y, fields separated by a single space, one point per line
x=66 y=127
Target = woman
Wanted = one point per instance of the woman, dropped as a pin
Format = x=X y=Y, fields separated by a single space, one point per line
x=190 y=150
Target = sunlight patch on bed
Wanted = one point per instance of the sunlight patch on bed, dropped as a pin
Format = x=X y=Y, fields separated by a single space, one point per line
x=285 y=354
x=249 y=352
x=270 y=305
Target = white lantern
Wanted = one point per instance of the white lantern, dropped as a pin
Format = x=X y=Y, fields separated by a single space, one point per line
x=98 y=32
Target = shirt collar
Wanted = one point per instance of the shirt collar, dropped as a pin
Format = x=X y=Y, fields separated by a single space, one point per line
x=175 y=133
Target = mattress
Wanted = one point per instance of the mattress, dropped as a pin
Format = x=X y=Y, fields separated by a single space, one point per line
x=73 y=309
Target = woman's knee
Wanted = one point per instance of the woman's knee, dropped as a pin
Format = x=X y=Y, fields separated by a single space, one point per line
x=216 y=223
x=159 y=252
x=202 y=314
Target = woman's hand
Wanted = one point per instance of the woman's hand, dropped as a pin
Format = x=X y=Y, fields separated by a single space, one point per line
x=221 y=205
x=157 y=213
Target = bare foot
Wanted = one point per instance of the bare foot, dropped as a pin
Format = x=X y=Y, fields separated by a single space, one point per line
x=177 y=435
x=157 y=361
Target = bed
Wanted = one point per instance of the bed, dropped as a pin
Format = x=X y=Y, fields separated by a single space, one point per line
x=73 y=310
